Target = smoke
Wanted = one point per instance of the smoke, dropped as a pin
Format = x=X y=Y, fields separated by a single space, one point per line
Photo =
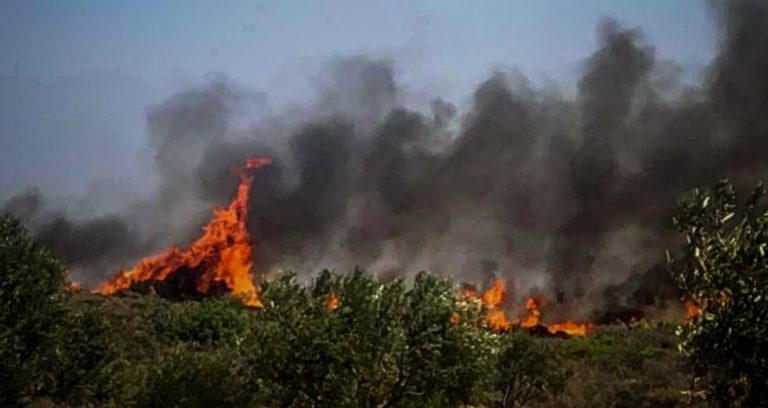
x=569 y=197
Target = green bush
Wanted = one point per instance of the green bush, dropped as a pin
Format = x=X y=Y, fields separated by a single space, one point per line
x=385 y=345
x=528 y=370
x=215 y=321
x=85 y=359
x=186 y=376
x=724 y=269
x=31 y=292
x=619 y=366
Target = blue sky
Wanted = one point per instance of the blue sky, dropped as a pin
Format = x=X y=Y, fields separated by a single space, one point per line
x=76 y=76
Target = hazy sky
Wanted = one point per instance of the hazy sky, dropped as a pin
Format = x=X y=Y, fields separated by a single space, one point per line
x=76 y=76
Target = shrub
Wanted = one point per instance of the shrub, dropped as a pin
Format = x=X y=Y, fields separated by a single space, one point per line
x=186 y=376
x=31 y=292
x=384 y=345
x=724 y=269
x=619 y=366
x=86 y=358
x=527 y=370
x=215 y=321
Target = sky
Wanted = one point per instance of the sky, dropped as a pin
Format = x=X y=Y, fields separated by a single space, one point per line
x=77 y=77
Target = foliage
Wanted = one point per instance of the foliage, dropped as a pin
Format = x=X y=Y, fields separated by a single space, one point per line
x=187 y=376
x=725 y=270
x=619 y=366
x=31 y=282
x=527 y=370
x=216 y=321
x=341 y=340
x=85 y=357
x=385 y=345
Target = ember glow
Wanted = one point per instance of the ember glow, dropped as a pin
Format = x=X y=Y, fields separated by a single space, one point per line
x=332 y=302
x=468 y=291
x=223 y=254
x=691 y=310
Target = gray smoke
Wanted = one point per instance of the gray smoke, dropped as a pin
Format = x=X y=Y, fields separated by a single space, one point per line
x=568 y=197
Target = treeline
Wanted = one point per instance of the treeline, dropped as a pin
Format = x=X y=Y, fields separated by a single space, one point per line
x=349 y=340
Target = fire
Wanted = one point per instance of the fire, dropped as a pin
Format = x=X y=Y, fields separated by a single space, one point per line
x=533 y=307
x=494 y=297
x=498 y=321
x=495 y=294
x=691 y=310
x=455 y=318
x=533 y=319
x=468 y=291
x=570 y=328
x=223 y=253
x=332 y=302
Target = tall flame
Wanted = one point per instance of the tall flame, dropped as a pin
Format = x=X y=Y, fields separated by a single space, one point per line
x=495 y=294
x=533 y=307
x=224 y=251
x=494 y=297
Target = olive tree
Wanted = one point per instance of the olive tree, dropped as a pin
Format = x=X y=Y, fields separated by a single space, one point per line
x=724 y=269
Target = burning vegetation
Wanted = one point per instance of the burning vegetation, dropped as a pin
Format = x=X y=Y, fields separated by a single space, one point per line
x=494 y=299
x=353 y=337
x=220 y=260
x=575 y=190
x=564 y=188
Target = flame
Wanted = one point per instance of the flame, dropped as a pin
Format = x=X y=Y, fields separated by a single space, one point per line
x=332 y=302
x=497 y=320
x=493 y=297
x=224 y=251
x=533 y=319
x=468 y=291
x=533 y=306
x=495 y=294
x=692 y=310
x=570 y=328
x=455 y=318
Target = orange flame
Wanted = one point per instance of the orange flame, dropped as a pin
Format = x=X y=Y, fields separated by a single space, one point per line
x=533 y=306
x=533 y=319
x=332 y=302
x=495 y=294
x=224 y=251
x=468 y=291
x=570 y=328
x=691 y=310
x=498 y=321
x=455 y=318
x=494 y=297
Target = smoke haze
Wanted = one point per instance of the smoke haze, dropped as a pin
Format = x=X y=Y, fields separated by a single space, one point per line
x=568 y=196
